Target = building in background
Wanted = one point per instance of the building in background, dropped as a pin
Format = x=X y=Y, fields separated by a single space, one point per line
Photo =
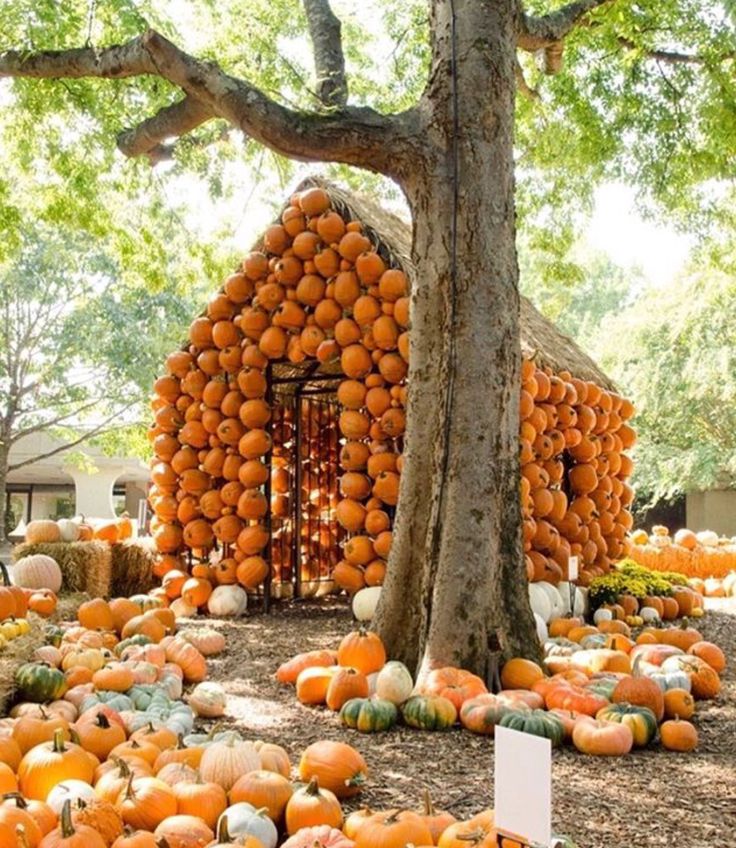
x=80 y=480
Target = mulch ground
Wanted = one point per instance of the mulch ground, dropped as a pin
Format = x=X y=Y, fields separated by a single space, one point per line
x=647 y=799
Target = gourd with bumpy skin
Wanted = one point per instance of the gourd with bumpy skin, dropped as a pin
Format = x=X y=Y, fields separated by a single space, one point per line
x=369 y=715
x=39 y=682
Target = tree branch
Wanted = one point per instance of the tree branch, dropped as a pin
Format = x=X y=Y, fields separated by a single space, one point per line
x=674 y=57
x=545 y=34
x=45 y=425
x=83 y=438
x=170 y=122
x=353 y=135
x=329 y=60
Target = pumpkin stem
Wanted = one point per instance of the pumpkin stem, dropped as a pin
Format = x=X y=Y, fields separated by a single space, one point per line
x=20 y=801
x=58 y=746
x=392 y=817
x=44 y=715
x=222 y=832
x=103 y=721
x=428 y=805
x=6 y=576
x=358 y=779
x=74 y=736
x=312 y=788
x=162 y=842
x=67 y=828
x=129 y=788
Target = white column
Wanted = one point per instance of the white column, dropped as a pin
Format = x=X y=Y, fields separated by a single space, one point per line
x=94 y=492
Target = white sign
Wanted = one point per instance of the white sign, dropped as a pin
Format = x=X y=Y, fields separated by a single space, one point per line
x=572 y=568
x=523 y=785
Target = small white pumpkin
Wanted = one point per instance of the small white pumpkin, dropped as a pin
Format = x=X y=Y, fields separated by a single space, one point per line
x=208 y=699
x=68 y=529
x=37 y=571
x=243 y=819
x=649 y=614
x=394 y=683
x=365 y=602
x=602 y=615
x=565 y=589
x=69 y=790
x=228 y=601
x=542 y=631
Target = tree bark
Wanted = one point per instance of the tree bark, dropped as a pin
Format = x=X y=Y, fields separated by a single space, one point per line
x=456 y=589
x=3 y=491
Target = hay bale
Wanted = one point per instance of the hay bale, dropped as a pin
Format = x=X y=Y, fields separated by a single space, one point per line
x=85 y=566
x=132 y=567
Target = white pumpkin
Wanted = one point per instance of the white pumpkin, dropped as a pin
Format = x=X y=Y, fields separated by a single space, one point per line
x=243 y=819
x=602 y=615
x=555 y=599
x=365 y=602
x=69 y=529
x=540 y=602
x=227 y=601
x=224 y=762
x=708 y=538
x=394 y=682
x=182 y=609
x=565 y=590
x=649 y=614
x=69 y=790
x=208 y=699
x=37 y=571
x=542 y=632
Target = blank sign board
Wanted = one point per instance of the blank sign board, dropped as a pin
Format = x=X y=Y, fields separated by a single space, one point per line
x=523 y=785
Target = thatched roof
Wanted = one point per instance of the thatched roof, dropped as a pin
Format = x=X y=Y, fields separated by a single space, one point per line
x=540 y=339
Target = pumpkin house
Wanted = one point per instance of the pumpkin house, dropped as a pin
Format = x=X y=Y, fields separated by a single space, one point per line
x=279 y=426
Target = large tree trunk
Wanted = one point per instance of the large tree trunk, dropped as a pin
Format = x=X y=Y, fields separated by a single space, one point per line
x=3 y=492
x=456 y=591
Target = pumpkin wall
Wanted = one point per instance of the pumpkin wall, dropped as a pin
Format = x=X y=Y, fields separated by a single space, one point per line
x=243 y=466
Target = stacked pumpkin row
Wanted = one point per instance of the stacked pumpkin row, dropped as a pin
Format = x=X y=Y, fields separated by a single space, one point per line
x=18 y=598
x=591 y=674
x=41 y=531
x=575 y=495
x=703 y=555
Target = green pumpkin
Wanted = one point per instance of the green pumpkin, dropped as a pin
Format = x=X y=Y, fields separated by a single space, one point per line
x=138 y=639
x=537 y=723
x=641 y=721
x=429 y=712
x=369 y=715
x=603 y=687
x=39 y=682
x=53 y=635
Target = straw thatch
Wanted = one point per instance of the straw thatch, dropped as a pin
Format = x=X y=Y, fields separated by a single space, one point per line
x=540 y=339
x=132 y=567
x=13 y=656
x=85 y=566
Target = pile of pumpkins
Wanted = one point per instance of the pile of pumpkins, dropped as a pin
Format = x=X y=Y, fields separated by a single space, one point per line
x=44 y=531
x=704 y=555
x=16 y=599
x=101 y=752
x=598 y=687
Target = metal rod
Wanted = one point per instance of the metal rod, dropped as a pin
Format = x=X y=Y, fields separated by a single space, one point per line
x=297 y=489
x=269 y=465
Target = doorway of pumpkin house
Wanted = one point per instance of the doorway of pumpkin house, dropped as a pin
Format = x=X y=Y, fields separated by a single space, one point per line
x=306 y=536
